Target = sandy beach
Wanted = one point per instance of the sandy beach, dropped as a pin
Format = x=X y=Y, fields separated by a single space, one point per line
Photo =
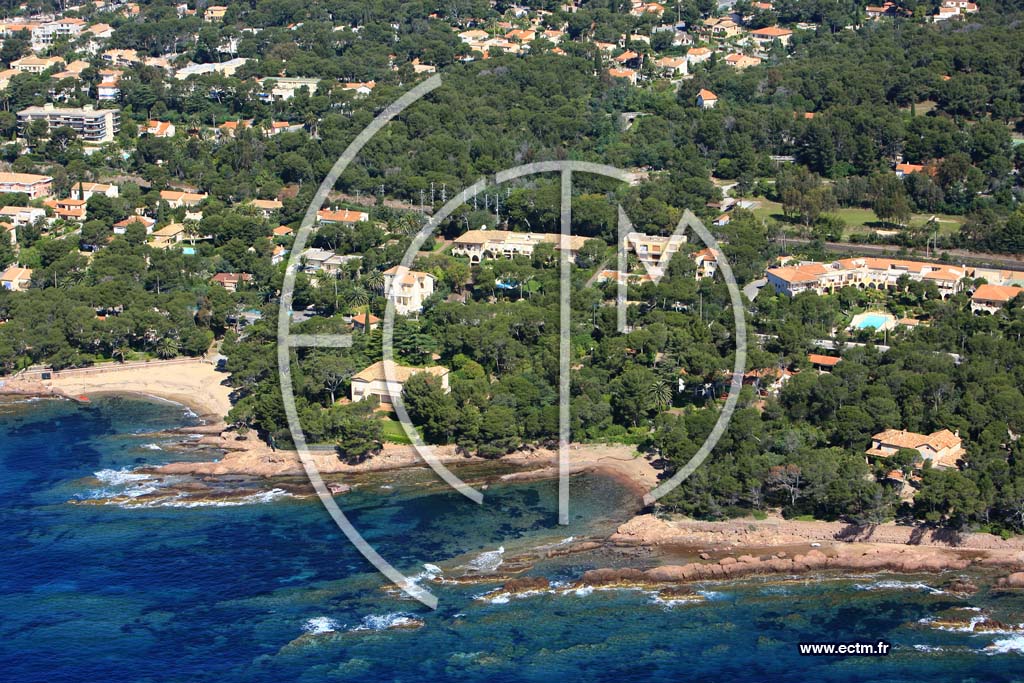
x=192 y=382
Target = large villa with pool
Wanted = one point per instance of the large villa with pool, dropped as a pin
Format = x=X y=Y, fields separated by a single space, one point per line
x=877 y=274
x=863 y=273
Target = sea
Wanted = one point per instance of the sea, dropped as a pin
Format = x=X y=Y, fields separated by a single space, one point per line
x=265 y=588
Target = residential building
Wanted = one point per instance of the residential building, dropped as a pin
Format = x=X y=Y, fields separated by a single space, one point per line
x=169 y=235
x=769 y=34
x=284 y=88
x=45 y=35
x=121 y=227
x=706 y=99
x=215 y=13
x=363 y=89
x=279 y=254
x=231 y=281
x=887 y=9
x=179 y=198
x=16 y=279
x=31 y=64
x=361 y=320
x=627 y=74
x=159 y=129
x=906 y=169
x=19 y=216
x=673 y=66
x=707 y=263
x=341 y=216
x=266 y=207
x=325 y=261
x=121 y=58
x=92 y=125
x=85 y=190
x=283 y=231
x=696 y=55
x=654 y=251
x=480 y=244
x=823 y=363
x=227 y=68
x=230 y=128
x=993 y=298
x=721 y=28
x=35 y=186
x=107 y=90
x=5 y=77
x=741 y=61
x=942 y=448
x=385 y=380
x=408 y=289
x=767 y=381
x=863 y=273
x=67 y=209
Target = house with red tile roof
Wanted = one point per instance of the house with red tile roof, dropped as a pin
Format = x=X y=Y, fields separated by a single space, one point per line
x=993 y=298
x=942 y=448
x=341 y=216
x=706 y=99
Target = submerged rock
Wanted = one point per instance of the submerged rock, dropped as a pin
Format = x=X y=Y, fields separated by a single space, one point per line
x=526 y=584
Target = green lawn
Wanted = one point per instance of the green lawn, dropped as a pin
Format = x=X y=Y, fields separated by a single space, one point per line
x=393 y=432
x=861 y=221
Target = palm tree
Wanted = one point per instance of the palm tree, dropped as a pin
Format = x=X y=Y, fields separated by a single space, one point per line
x=121 y=352
x=312 y=123
x=375 y=281
x=661 y=394
x=359 y=298
x=167 y=347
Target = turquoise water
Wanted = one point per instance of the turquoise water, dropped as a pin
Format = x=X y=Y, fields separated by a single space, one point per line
x=270 y=591
x=872 y=320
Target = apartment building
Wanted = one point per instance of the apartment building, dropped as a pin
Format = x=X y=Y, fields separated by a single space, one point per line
x=35 y=186
x=91 y=124
x=654 y=251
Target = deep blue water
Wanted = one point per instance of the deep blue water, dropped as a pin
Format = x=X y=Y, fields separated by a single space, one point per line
x=109 y=593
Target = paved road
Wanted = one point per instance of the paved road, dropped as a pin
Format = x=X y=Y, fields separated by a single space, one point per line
x=752 y=288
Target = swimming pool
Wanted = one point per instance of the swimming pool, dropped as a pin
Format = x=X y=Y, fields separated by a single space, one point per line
x=875 y=320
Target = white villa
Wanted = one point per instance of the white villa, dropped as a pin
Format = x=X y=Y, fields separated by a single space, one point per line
x=408 y=288
x=373 y=381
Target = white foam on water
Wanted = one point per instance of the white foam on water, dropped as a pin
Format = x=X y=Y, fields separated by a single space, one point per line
x=182 y=501
x=1006 y=646
x=151 y=447
x=120 y=477
x=487 y=561
x=319 y=625
x=929 y=648
x=713 y=595
x=382 y=622
x=897 y=585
